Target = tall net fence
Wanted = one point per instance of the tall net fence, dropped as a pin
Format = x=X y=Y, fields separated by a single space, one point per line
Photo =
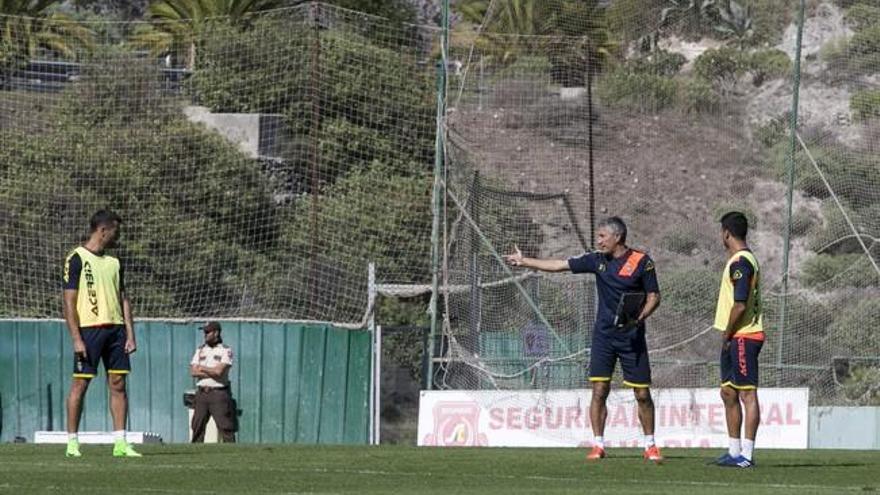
x=261 y=162
x=667 y=114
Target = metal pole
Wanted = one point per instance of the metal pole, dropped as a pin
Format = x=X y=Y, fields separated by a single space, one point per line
x=377 y=379
x=475 y=291
x=792 y=124
x=371 y=327
x=480 y=87
x=590 y=145
x=314 y=280
x=439 y=160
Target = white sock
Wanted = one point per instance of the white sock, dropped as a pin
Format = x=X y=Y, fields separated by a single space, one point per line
x=649 y=441
x=734 y=449
x=748 y=448
x=72 y=436
x=599 y=442
x=119 y=436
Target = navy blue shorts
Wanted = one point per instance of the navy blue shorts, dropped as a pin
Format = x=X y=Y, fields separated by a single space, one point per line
x=739 y=363
x=106 y=344
x=632 y=350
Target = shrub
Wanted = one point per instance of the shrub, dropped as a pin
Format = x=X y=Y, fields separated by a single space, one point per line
x=680 y=241
x=863 y=51
x=773 y=131
x=853 y=332
x=806 y=324
x=863 y=16
x=645 y=93
x=632 y=19
x=376 y=103
x=659 y=62
x=852 y=3
x=836 y=237
x=802 y=221
x=834 y=54
x=720 y=66
x=521 y=82
x=696 y=96
x=851 y=174
x=769 y=20
x=691 y=291
x=388 y=232
x=862 y=386
x=157 y=170
x=865 y=105
x=766 y=65
x=721 y=208
x=825 y=272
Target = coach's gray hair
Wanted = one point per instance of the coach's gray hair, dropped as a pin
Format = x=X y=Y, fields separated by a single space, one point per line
x=616 y=226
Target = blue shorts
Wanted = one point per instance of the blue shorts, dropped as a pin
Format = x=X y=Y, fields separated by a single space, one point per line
x=739 y=363
x=106 y=344
x=630 y=347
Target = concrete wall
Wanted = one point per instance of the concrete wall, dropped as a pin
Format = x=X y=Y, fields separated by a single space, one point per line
x=844 y=428
x=256 y=134
x=241 y=129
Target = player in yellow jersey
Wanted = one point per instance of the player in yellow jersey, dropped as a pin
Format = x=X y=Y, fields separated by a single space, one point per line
x=98 y=317
x=738 y=316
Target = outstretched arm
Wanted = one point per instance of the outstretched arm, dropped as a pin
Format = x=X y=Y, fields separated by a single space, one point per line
x=545 y=265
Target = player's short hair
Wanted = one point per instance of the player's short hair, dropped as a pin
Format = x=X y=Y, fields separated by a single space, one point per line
x=736 y=223
x=616 y=226
x=102 y=218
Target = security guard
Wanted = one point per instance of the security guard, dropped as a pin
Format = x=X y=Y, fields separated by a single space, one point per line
x=211 y=364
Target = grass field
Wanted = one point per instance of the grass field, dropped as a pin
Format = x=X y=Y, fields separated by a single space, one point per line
x=244 y=469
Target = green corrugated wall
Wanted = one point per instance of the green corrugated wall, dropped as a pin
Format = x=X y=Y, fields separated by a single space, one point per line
x=293 y=382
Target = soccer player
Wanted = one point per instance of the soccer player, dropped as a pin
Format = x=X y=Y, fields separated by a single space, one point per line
x=98 y=317
x=738 y=317
x=619 y=270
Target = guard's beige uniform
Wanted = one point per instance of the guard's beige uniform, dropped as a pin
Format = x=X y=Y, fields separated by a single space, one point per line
x=212 y=397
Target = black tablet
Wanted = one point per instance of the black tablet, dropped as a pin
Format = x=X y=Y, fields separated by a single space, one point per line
x=629 y=308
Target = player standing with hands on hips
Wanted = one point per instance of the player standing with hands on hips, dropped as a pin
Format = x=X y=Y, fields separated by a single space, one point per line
x=98 y=317
x=622 y=275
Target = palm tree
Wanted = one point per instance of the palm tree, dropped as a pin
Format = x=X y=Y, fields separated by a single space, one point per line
x=175 y=24
x=574 y=29
x=694 y=17
x=31 y=27
x=735 y=22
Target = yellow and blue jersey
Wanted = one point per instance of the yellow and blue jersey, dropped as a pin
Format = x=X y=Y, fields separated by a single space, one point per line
x=99 y=282
x=632 y=272
x=741 y=282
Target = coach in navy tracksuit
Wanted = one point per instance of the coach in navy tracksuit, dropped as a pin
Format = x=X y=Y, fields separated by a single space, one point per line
x=619 y=270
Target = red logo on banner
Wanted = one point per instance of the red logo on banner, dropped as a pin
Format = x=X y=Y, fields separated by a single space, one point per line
x=456 y=424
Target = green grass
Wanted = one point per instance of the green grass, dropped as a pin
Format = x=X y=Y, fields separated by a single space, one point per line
x=212 y=469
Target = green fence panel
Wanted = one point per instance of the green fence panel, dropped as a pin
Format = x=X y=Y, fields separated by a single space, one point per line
x=291 y=382
x=311 y=386
x=358 y=387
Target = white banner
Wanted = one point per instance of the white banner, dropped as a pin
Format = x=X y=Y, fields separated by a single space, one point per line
x=529 y=418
